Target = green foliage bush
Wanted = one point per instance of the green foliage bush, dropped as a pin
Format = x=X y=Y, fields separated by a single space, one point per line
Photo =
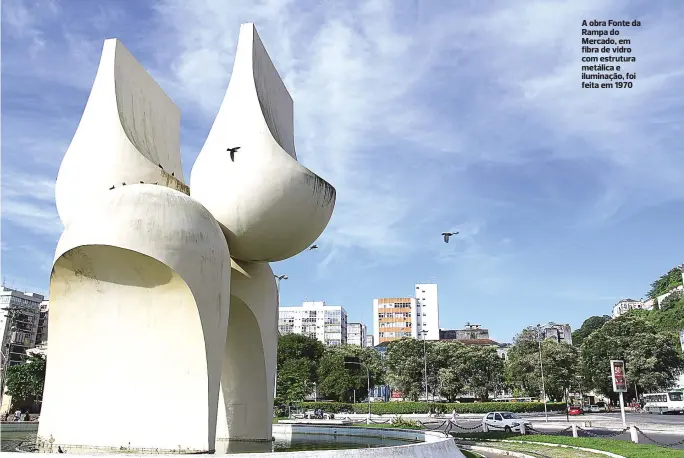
x=405 y=408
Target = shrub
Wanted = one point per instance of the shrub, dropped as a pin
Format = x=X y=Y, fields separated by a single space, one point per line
x=399 y=422
x=333 y=407
x=405 y=408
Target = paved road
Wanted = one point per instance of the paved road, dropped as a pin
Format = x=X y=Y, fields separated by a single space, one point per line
x=631 y=417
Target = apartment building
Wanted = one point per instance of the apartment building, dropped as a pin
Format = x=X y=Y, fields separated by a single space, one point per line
x=393 y=318
x=20 y=314
x=356 y=334
x=370 y=340
x=427 y=311
x=558 y=332
x=42 y=331
x=397 y=317
x=327 y=323
x=469 y=332
x=625 y=305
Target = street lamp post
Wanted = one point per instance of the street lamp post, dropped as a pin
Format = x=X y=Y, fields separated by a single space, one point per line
x=538 y=332
x=541 y=366
x=278 y=278
x=424 y=333
x=353 y=360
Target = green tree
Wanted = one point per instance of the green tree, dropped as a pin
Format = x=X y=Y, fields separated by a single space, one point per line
x=665 y=283
x=652 y=359
x=25 y=381
x=589 y=325
x=451 y=383
x=298 y=358
x=670 y=316
x=405 y=366
x=483 y=371
x=338 y=381
x=561 y=365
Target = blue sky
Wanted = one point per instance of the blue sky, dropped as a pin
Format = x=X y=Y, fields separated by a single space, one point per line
x=426 y=117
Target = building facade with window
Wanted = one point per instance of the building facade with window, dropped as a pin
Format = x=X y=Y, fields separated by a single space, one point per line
x=397 y=317
x=427 y=311
x=20 y=314
x=356 y=334
x=393 y=318
x=558 y=332
x=327 y=323
x=370 y=340
x=469 y=332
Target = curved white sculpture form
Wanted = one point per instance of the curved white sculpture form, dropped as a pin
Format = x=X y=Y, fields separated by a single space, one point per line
x=270 y=207
x=250 y=360
x=146 y=325
x=139 y=297
x=129 y=132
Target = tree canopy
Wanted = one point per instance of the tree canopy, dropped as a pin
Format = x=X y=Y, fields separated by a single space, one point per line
x=589 y=325
x=665 y=283
x=25 y=381
x=560 y=361
x=652 y=359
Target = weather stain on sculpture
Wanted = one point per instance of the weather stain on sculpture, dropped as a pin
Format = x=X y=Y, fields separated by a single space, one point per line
x=321 y=188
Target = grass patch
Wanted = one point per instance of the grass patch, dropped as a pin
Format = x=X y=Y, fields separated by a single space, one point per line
x=624 y=448
x=468 y=454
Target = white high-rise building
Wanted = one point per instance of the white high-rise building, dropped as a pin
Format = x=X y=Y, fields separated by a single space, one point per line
x=327 y=323
x=356 y=334
x=370 y=340
x=427 y=311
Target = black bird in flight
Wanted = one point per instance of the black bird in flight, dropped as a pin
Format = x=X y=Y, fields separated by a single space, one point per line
x=447 y=235
x=313 y=247
x=172 y=173
x=232 y=152
x=111 y=187
x=160 y=166
x=123 y=184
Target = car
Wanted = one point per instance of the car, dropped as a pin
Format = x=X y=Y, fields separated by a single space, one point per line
x=504 y=421
x=575 y=410
x=597 y=408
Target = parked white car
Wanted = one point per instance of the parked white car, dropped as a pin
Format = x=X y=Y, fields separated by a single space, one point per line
x=504 y=421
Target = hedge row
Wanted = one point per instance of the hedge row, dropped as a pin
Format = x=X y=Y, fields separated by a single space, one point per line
x=404 y=408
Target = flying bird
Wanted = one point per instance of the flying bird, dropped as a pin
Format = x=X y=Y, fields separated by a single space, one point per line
x=160 y=166
x=232 y=152
x=447 y=235
x=313 y=247
x=123 y=184
x=111 y=188
x=172 y=173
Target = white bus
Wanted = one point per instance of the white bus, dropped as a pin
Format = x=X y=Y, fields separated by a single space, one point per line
x=661 y=403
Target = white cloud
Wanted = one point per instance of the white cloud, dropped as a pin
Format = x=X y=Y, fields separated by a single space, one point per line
x=395 y=102
x=28 y=202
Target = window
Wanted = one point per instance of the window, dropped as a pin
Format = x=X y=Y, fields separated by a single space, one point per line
x=497 y=417
x=490 y=416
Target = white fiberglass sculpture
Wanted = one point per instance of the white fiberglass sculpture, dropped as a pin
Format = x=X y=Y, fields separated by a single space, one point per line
x=163 y=324
x=269 y=206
